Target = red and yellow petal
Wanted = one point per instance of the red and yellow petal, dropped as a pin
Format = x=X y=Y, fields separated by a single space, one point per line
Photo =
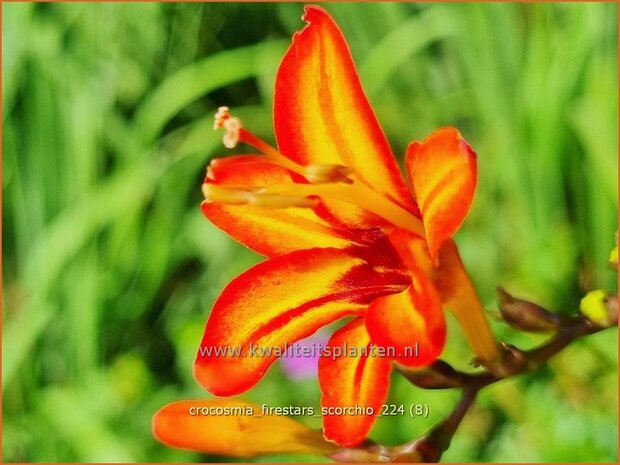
x=187 y=424
x=322 y=116
x=279 y=301
x=411 y=249
x=409 y=324
x=442 y=171
x=269 y=232
x=352 y=382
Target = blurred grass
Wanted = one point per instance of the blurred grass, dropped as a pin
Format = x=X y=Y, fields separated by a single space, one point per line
x=109 y=269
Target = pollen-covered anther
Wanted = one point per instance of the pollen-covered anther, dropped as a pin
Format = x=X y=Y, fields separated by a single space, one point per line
x=223 y=113
x=319 y=174
x=230 y=124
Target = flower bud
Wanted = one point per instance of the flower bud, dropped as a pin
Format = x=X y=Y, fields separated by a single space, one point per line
x=527 y=316
x=600 y=308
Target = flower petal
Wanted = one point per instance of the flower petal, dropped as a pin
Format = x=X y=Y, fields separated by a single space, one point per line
x=411 y=323
x=351 y=382
x=267 y=231
x=279 y=301
x=459 y=295
x=442 y=170
x=188 y=424
x=321 y=114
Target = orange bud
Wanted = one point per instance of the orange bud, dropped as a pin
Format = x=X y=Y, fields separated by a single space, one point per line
x=233 y=427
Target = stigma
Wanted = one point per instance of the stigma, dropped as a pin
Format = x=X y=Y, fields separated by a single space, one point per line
x=234 y=133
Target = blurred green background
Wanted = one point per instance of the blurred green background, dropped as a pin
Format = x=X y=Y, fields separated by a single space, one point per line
x=109 y=269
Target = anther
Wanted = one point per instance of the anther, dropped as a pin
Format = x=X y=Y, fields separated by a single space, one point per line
x=223 y=113
x=231 y=126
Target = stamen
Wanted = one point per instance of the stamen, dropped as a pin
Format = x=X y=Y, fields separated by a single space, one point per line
x=270 y=152
x=315 y=174
x=326 y=180
x=235 y=133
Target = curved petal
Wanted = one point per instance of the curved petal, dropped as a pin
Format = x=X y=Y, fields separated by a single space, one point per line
x=459 y=295
x=410 y=324
x=279 y=301
x=355 y=379
x=243 y=431
x=442 y=170
x=267 y=231
x=321 y=114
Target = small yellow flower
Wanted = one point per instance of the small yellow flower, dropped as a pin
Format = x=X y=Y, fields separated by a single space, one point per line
x=594 y=308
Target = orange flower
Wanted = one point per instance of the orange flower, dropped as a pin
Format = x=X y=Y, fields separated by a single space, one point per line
x=344 y=234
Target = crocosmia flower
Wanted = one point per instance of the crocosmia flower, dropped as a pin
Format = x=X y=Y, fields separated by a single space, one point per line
x=345 y=236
